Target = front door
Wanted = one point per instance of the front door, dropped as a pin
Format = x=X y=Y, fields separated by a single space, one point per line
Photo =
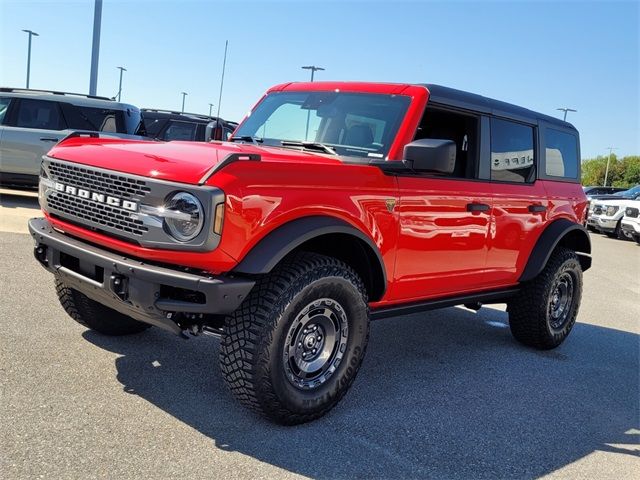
x=444 y=229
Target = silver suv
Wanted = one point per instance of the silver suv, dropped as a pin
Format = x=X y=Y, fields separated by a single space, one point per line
x=33 y=121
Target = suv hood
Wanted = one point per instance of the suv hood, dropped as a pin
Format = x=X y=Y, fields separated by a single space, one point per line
x=183 y=162
x=614 y=203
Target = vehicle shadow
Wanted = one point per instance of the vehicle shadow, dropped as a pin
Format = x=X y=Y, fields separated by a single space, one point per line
x=444 y=394
x=16 y=199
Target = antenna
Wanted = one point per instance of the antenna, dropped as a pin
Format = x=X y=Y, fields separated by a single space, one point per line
x=224 y=65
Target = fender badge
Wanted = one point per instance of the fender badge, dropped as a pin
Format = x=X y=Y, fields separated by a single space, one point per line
x=391 y=203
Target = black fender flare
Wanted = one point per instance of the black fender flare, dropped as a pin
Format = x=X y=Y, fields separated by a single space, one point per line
x=559 y=232
x=277 y=244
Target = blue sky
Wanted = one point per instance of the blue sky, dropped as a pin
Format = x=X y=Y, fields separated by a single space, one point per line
x=541 y=55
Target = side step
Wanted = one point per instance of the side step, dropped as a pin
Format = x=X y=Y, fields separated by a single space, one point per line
x=473 y=301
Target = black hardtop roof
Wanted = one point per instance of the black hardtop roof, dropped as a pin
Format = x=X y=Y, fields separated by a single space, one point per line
x=471 y=101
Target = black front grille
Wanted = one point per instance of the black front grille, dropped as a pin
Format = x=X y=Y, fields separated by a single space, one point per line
x=105 y=215
x=93 y=180
x=632 y=212
x=86 y=210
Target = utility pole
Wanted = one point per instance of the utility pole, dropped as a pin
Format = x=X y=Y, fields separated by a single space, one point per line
x=31 y=34
x=313 y=69
x=95 y=48
x=606 y=173
x=184 y=94
x=210 y=108
x=565 y=110
x=122 y=69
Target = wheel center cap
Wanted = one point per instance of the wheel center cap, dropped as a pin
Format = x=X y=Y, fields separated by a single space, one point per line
x=309 y=341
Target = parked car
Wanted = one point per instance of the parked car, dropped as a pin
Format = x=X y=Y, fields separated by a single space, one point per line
x=593 y=199
x=593 y=191
x=631 y=221
x=32 y=121
x=606 y=215
x=332 y=203
x=169 y=125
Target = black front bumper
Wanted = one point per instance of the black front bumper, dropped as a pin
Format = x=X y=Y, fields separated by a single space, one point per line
x=148 y=293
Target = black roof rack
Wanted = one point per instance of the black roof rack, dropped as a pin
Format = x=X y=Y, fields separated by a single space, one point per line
x=52 y=92
x=175 y=112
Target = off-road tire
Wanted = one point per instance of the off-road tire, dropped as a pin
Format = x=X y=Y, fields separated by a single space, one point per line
x=530 y=320
x=93 y=315
x=617 y=232
x=255 y=337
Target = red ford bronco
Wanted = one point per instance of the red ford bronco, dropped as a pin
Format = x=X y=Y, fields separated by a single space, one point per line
x=331 y=204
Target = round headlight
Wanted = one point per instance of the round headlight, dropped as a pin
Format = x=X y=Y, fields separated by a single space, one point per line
x=611 y=211
x=183 y=216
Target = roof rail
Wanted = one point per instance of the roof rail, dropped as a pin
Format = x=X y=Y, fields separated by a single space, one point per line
x=174 y=112
x=51 y=92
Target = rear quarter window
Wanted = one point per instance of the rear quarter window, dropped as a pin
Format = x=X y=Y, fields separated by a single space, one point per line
x=561 y=150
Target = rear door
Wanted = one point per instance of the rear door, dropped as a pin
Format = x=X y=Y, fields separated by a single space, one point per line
x=519 y=200
x=34 y=127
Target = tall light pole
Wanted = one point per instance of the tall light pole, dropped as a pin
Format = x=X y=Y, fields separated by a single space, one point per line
x=31 y=34
x=606 y=173
x=95 y=47
x=184 y=94
x=565 y=110
x=122 y=69
x=210 y=108
x=313 y=69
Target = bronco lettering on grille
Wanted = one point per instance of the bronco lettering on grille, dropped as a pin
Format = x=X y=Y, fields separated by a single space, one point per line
x=97 y=197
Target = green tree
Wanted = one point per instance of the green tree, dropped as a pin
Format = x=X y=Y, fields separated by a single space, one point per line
x=624 y=172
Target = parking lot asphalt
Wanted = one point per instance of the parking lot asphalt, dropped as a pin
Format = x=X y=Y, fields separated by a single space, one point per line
x=445 y=394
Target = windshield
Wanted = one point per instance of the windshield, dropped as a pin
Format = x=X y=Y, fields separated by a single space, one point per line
x=350 y=124
x=632 y=192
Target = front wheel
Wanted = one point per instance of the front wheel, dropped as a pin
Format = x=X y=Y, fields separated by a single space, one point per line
x=545 y=310
x=93 y=315
x=294 y=347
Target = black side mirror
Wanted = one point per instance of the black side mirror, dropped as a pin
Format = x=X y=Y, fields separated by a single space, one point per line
x=431 y=155
x=214 y=131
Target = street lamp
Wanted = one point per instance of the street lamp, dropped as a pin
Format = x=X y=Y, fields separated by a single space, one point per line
x=122 y=69
x=565 y=110
x=313 y=69
x=210 y=107
x=606 y=173
x=31 y=34
x=184 y=94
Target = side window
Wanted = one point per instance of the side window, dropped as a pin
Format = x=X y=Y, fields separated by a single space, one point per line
x=561 y=151
x=39 y=114
x=180 y=131
x=4 y=106
x=461 y=129
x=512 y=152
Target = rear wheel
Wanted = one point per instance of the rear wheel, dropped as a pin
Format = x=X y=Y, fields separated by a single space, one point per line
x=294 y=347
x=94 y=315
x=544 y=312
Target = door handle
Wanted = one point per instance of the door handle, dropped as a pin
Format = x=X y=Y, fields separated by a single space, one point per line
x=46 y=139
x=477 y=207
x=537 y=208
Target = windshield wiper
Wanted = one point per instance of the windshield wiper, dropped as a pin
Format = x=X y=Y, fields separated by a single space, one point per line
x=246 y=138
x=310 y=145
